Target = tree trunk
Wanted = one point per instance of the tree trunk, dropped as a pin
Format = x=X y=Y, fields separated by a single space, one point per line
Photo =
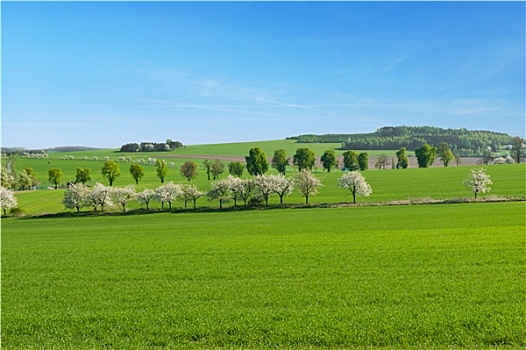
x=136 y=181
x=307 y=199
x=194 y=204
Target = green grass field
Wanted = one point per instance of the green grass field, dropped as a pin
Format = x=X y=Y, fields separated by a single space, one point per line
x=396 y=277
x=222 y=149
x=387 y=185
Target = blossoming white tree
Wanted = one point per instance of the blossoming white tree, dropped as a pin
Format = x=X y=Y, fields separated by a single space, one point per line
x=355 y=182
x=241 y=188
x=7 y=199
x=123 y=195
x=146 y=196
x=168 y=193
x=76 y=196
x=478 y=181
x=236 y=187
x=191 y=193
x=307 y=184
x=220 y=190
x=100 y=196
x=265 y=185
x=283 y=186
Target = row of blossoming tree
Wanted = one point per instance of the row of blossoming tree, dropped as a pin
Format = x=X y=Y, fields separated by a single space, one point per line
x=250 y=191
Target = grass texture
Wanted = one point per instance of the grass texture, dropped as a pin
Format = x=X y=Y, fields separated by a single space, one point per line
x=434 y=277
x=387 y=185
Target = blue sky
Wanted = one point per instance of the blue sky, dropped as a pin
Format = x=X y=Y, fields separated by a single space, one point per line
x=107 y=73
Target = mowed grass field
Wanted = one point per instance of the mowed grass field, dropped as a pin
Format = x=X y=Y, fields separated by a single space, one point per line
x=397 y=277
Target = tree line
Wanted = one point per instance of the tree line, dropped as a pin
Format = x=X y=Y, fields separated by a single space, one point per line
x=252 y=191
x=169 y=145
x=256 y=163
x=461 y=141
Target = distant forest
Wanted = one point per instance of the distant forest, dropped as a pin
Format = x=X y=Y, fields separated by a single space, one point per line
x=461 y=141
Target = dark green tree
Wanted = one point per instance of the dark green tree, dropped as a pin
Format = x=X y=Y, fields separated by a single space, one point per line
x=304 y=158
x=402 y=162
x=425 y=155
x=280 y=161
x=363 y=161
x=236 y=169
x=257 y=162
x=350 y=160
x=328 y=160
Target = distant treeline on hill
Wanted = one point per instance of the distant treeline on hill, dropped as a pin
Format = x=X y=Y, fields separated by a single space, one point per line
x=151 y=146
x=461 y=141
x=20 y=150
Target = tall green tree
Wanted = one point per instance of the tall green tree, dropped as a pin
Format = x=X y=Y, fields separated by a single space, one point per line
x=350 y=160
x=280 y=161
x=328 y=160
x=304 y=159
x=425 y=155
x=257 y=162
x=137 y=172
x=236 y=169
x=363 y=161
x=111 y=170
x=83 y=175
x=162 y=169
x=402 y=162
x=444 y=153
x=55 y=176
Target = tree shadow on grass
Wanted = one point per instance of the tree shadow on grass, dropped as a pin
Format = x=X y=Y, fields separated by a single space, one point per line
x=242 y=208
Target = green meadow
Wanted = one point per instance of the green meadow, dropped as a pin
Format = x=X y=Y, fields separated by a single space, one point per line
x=234 y=149
x=382 y=274
x=397 y=277
x=387 y=185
